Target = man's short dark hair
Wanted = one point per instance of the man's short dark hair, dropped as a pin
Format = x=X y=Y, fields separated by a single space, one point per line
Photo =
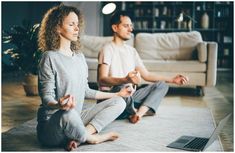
x=115 y=18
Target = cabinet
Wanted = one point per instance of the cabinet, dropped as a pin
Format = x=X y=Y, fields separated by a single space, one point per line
x=217 y=18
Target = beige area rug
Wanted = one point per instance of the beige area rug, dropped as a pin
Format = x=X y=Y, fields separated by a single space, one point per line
x=151 y=134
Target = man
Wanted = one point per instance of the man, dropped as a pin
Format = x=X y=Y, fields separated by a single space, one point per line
x=120 y=65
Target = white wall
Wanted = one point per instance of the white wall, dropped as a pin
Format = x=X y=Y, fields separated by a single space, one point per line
x=92 y=15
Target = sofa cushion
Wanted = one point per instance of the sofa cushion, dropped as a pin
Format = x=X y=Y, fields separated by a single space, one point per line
x=168 y=46
x=91 y=45
x=175 y=66
x=202 y=51
x=92 y=63
x=195 y=78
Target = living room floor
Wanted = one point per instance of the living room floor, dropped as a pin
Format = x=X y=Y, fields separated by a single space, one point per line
x=17 y=108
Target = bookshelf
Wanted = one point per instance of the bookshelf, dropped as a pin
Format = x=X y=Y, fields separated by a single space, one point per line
x=156 y=17
x=224 y=36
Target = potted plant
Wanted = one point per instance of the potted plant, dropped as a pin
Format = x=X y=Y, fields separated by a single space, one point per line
x=24 y=53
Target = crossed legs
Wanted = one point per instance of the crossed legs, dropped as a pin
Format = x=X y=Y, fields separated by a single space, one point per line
x=97 y=118
x=149 y=99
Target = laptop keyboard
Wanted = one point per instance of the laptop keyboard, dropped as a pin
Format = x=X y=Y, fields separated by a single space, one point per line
x=197 y=143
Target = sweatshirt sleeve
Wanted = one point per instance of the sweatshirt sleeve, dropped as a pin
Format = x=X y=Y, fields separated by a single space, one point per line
x=46 y=80
x=89 y=93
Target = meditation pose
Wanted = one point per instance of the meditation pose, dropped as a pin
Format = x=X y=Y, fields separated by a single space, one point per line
x=120 y=64
x=63 y=86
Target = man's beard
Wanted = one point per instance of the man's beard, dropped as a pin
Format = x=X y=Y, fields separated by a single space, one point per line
x=124 y=39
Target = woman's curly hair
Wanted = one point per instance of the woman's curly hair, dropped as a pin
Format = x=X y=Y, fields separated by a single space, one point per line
x=48 y=37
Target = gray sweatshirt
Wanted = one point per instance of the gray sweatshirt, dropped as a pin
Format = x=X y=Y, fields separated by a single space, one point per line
x=60 y=75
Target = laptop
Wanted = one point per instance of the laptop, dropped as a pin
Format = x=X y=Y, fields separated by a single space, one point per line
x=191 y=143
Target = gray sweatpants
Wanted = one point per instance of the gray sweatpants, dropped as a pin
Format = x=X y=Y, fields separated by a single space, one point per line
x=67 y=125
x=150 y=96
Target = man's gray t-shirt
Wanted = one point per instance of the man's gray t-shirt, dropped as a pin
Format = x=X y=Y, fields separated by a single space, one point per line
x=60 y=75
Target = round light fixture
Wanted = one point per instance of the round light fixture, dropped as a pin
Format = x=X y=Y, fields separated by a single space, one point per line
x=109 y=8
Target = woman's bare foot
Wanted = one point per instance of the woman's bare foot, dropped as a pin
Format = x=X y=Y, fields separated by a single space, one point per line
x=134 y=118
x=99 y=138
x=72 y=144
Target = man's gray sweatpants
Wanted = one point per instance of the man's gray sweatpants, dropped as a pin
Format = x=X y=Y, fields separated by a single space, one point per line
x=150 y=96
x=67 y=125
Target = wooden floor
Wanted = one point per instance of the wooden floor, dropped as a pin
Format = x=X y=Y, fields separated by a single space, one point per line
x=17 y=108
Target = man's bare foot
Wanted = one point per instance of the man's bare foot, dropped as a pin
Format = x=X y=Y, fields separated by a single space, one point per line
x=149 y=113
x=72 y=144
x=99 y=138
x=134 y=118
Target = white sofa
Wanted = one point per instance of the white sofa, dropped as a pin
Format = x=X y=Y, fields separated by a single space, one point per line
x=165 y=54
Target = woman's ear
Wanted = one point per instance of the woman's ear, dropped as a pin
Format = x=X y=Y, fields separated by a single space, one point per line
x=58 y=29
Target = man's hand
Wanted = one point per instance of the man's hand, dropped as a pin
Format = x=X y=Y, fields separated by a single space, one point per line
x=133 y=77
x=180 y=79
x=127 y=91
x=67 y=102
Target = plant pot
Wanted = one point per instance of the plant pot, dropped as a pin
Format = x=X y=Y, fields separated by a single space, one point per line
x=30 y=85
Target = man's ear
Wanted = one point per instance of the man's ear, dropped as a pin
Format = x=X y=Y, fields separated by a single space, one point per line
x=114 y=27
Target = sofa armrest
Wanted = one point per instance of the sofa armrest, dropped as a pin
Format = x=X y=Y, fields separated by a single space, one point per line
x=202 y=51
x=212 y=63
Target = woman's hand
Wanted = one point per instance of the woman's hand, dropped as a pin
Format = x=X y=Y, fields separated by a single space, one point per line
x=180 y=79
x=127 y=91
x=67 y=102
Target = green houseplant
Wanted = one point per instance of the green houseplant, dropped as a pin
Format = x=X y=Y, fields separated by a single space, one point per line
x=24 y=53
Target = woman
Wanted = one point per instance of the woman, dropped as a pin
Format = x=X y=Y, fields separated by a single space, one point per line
x=63 y=86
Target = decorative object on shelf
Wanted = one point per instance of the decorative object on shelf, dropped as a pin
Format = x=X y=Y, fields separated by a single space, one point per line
x=190 y=24
x=227 y=39
x=205 y=21
x=156 y=12
x=164 y=12
x=123 y=6
x=154 y=24
x=185 y=24
x=198 y=8
x=145 y=24
x=163 y=25
x=24 y=54
x=109 y=8
x=226 y=52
